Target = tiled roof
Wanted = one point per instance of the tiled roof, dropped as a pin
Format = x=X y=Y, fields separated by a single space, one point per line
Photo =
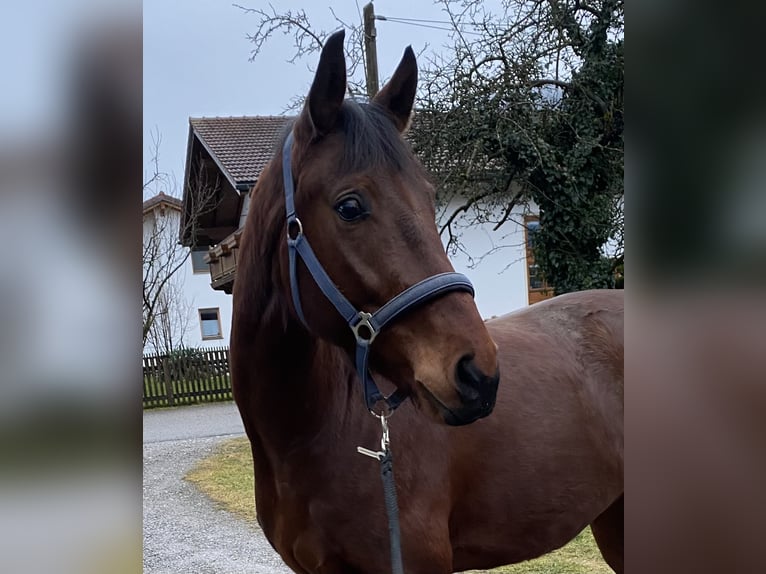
x=161 y=197
x=243 y=145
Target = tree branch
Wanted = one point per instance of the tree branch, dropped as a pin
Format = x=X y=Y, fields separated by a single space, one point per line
x=463 y=208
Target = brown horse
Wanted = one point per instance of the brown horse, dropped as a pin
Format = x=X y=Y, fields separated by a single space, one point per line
x=521 y=482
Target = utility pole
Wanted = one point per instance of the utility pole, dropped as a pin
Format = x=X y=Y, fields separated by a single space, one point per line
x=370 y=50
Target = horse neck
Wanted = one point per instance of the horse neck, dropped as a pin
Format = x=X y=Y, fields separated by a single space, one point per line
x=301 y=386
x=290 y=384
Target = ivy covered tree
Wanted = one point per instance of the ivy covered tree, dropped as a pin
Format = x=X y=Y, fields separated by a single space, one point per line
x=532 y=108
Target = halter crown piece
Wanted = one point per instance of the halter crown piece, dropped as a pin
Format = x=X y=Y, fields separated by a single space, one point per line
x=365 y=326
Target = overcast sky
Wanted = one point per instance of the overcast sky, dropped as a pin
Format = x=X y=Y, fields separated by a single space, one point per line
x=196 y=61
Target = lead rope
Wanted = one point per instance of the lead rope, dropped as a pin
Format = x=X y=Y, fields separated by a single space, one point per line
x=389 y=492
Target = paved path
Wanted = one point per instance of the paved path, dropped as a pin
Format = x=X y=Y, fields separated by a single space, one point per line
x=192 y=422
x=183 y=531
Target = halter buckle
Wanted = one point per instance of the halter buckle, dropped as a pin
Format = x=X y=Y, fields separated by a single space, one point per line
x=363 y=330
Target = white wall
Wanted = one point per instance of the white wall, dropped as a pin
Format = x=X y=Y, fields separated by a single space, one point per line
x=197 y=293
x=201 y=295
x=494 y=261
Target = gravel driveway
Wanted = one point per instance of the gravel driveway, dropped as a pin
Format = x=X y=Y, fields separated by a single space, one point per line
x=183 y=531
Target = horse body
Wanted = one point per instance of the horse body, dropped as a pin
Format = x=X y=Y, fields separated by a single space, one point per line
x=507 y=487
x=549 y=459
x=510 y=487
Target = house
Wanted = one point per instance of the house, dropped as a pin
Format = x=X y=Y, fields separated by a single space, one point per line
x=226 y=155
x=185 y=311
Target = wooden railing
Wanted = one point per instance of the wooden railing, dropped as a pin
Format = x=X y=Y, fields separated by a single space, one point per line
x=222 y=259
x=187 y=376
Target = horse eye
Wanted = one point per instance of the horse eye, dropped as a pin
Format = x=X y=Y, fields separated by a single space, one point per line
x=350 y=209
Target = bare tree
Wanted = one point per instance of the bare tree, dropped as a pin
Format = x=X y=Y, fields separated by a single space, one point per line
x=309 y=40
x=172 y=317
x=165 y=310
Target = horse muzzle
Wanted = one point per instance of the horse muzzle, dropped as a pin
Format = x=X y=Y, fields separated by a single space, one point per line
x=475 y=392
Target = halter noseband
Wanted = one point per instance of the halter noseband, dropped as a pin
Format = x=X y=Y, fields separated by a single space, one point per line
x=365 y=326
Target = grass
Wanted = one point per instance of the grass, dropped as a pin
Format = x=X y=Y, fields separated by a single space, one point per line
x=226 y=477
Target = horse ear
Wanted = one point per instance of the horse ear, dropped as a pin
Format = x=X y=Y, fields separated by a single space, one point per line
x=328 y=88
x=398 y=95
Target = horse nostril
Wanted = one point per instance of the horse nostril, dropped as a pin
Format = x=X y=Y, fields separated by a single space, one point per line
x=468 y=373
x=476 y=389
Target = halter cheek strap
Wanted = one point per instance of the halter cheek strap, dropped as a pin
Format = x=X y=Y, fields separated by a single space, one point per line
x=365 y=326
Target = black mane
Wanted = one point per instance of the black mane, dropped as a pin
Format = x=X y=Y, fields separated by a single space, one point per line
x=371 y=139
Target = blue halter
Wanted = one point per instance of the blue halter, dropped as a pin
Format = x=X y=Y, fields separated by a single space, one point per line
x=365 y=326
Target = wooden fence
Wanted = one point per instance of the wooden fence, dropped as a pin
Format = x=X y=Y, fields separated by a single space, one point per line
x=185 y=377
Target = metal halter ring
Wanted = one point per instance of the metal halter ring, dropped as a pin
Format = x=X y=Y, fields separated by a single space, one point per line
x=300 y=228
x=364 y=322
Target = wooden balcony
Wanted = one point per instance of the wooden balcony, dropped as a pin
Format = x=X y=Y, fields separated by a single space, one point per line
x=222 y=259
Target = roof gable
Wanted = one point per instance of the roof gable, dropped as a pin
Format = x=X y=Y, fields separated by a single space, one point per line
x=162 y=200
x=242 y=146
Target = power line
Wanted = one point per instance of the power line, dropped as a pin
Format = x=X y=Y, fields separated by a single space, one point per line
x=402 y=21
x=379 y=17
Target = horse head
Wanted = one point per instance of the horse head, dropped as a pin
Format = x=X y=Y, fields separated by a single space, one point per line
x=368 y=208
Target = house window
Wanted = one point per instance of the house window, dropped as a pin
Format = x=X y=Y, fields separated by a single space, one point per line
x=198 y=261
x=210 y=322
x=538 y=289
x=535 y=277
x=533 y=225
